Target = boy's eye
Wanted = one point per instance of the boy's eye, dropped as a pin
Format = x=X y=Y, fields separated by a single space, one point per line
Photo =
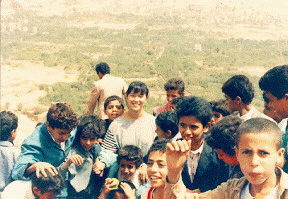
x=182 y=125
x=246 y=152
x=149 y=163
x=263 y=153
x=119 y=107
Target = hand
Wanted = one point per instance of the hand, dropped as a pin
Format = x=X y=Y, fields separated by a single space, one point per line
x=76 y=159
x=110 y=184
x=129 y=192
x=41 y=168
x=99 y=167
x=143 y=177
x=177 y=153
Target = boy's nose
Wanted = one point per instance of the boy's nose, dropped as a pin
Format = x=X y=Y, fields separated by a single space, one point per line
x=255 y=160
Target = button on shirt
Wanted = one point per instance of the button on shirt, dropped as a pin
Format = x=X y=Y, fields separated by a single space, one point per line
x=192 y=161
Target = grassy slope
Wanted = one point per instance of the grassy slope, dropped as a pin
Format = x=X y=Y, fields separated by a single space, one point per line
x=142 y=52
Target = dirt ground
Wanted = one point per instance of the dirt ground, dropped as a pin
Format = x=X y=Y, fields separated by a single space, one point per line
x=21 y=89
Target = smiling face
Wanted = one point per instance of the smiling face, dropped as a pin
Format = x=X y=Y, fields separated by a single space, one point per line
x=135 y=101
x=114 y=110
x=157 y=168
x=192 y=129
x=127 y=169
x=258 y=156
x=88 y=140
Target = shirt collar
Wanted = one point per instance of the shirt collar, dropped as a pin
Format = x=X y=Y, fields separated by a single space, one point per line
x=6 y=143
x=198 y=151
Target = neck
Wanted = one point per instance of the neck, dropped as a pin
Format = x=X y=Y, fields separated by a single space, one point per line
x=245 y=109
x=196 y=145
x=264 y=189
x=158 y=193
x=134 y=115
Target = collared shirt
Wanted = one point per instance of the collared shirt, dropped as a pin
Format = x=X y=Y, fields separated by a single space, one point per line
x=245 y=193
x=8 y=156
x=283 y=125
x=193 y=160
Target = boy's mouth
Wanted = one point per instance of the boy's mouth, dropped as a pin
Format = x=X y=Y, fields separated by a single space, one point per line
x=254 y=174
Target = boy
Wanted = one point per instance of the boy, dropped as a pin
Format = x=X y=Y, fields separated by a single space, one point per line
x=39 y=187
x=106 y=86
x=222 y=138
x=239 y=93
x=219 y=111
x=113 y=108
x=49 y=144
x=166 y=125
x=275 y=93
x=129 y=160
x=115 y=189
x=194 y=115
x=174 y=88
x=8 y=153
x=258 y=151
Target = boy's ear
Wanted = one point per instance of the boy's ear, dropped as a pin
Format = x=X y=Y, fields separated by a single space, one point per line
x=13 y=135
x=238 y=100
x=280 y=160
x=169 y=134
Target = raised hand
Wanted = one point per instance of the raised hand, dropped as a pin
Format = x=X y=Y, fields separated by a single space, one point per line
x=177 y=153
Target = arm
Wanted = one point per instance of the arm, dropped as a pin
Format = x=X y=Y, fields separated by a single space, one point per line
x=93 y=100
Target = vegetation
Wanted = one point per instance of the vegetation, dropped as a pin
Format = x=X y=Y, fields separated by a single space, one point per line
x=153 y=48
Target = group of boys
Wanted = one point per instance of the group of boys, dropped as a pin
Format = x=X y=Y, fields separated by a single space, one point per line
x=191 y=157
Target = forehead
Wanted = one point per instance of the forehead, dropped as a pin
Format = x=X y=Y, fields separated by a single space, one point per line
x=257 y=141
x=189 y=120
x=172 y=92
x=157 y=156
x=123 y=161
x=114 y=103
x=88 y=135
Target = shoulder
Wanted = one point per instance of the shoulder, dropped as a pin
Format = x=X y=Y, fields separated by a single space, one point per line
x=147 y=192
x=22 y=187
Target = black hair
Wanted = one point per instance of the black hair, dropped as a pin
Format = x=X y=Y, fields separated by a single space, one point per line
x=275 y=81
x=177 y=100
x=222 y=135
x=130 y=153
x=51 y=183
x=113 y=98
x=61 y=115
x=239 y=85
x=158 y=145
x=220 y=107
x=102 y=68
x=90 y=124
x=195 y=106
x=137 y=87
x=8 y=123
x=258 y=126
x=175 y=84
x=168 y=121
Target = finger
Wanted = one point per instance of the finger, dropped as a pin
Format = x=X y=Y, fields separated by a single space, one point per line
x=169 y=147
x=37 y=172
x=54 y=170
x=50 y=170
x=175 y=145
x=43 y=172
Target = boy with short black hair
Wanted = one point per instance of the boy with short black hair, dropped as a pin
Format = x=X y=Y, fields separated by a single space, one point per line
x=166 y=125
x=8 y=153
x=219 y=111
x=174 y=88
x=38 y=187
x=129 y=160
x=275 y=93
x=258 y=151
x=239 y=93
x=222 y=138
x=194 y=115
